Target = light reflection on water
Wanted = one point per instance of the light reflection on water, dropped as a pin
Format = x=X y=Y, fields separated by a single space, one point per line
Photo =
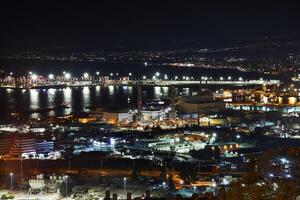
x=157 y=92
x=67 y=100
x=34 y=99
x=86 y=98
x=111 y=90
x=77 y=99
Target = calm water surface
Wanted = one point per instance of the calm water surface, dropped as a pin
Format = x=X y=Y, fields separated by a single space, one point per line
x=81 y=99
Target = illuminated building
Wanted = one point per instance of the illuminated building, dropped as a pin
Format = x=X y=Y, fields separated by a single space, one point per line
x=23 y=146
x=5 y=146
x=44 y=147
x=117 y=117
x=203 y=103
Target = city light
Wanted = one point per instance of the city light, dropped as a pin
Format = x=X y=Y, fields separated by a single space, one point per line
x=85 y=75
x=174 y=113
x=34 y=77
x=11 y=180
x=67 y=76
x=51 y=76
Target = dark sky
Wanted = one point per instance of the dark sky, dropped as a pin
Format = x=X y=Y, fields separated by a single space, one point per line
x=105 y=24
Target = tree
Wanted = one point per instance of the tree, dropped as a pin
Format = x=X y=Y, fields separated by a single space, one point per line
x=235 y=192
x=287 y=190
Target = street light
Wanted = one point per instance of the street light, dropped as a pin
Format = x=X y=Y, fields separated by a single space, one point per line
x=97 y=73
x=164 y=185
x=124 y=185
x=86 y=75
x=11 y=180
x=34 y=77
x=67 y=76
x=66 y=179
x=51 y=76
x=157 y=74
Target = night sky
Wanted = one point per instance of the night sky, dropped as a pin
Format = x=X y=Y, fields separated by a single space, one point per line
x=138 y=24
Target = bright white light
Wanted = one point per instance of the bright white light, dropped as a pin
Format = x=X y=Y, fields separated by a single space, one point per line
x=130 y=74
x=30 y=73
x=67 y=75
x=240 y=79
x=283 y=160
x=157 y=74
x=145 y=63
x=34 y=77
x=51 y=76
x=111 y=74
x=97 y=73
x=229 y=78
x=144 y=77
x=112 y=141
x=11 y=73
x=221 y=78
x=86 y=75
x=238 y=136
x=176 y=77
